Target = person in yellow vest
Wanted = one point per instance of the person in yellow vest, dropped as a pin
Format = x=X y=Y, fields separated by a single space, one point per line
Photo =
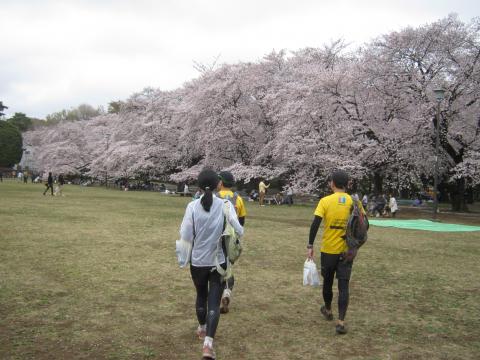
x=262 y=190
x=334 y=255
x=226 y=183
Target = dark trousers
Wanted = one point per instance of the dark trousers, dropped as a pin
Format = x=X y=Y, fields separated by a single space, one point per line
x=49 y=186
x=209 y=286
x=332 y=264
x=289 y=200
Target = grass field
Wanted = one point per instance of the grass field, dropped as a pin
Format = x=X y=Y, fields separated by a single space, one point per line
x=93 y=275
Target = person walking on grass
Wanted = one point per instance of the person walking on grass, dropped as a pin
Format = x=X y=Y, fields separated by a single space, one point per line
x=49 y=184
x=203 y=225
x=262 y=190
x=334 y=257
x=226 y=183
x=61 y=182
x=289 y=197
x=392 y=204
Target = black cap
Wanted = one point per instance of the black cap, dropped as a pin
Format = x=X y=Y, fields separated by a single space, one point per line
x=340 y=179
x=227 y=178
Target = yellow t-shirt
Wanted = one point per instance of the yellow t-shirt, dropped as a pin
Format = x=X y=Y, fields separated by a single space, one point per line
x=262 y=187
x=335 y=211
x=239 y=206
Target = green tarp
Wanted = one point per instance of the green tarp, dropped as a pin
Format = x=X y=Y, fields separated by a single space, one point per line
x=424 y=225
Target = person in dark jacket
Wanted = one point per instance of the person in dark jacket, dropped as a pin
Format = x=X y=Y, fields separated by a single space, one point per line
x=49 y=184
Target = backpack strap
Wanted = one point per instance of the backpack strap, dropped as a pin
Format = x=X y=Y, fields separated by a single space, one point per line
x=221 y=243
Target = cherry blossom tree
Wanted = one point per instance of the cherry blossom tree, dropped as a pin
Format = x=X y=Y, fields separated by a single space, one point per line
x=443 y=54
x=298 y=116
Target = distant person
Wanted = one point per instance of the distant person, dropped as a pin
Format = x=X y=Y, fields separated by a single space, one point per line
x=262 y=190
x=197 y=195
x=365 y=201
x=49 y=184
x=25 y=178
x=1 y=176
x=202 y=226
x=289 y=195
x=254 y=195
x=417 y=201
x=20 y=176
x=392 y=204
x=186 y=191
x=227 y=181
x=380 y=203
x=61 y=182
x=279 y=198
x=334 y=256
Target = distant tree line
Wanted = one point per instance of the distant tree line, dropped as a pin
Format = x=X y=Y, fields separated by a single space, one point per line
x=297 y=116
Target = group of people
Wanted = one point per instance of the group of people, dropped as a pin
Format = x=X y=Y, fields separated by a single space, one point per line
x=379 y=205
x=280 y=198
x=204 y=223
x=49 y=184
x=21 y=176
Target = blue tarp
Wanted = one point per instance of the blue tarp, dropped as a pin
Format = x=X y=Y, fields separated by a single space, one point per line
x=423 y=225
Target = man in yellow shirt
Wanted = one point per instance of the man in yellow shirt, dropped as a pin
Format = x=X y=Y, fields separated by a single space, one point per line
x=262 y=190
x=226 y=183
x=335 y=211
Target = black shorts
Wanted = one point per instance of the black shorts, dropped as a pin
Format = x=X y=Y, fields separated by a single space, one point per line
x=335 y=264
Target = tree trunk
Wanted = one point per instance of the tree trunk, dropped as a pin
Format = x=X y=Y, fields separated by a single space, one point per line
x=377 y=183
x=457 y=196
x=444 y=193
x=469 y=196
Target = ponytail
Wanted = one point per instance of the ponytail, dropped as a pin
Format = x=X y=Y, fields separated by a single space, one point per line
x=207 y=199
x=207 y=181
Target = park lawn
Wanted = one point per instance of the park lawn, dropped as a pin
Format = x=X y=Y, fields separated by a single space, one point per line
x=93 y=275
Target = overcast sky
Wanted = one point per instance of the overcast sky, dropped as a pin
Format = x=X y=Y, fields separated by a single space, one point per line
x=56 y=54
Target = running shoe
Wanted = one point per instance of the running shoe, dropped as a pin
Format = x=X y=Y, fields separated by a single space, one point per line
x=201 y=333
x=326 y=314
x=208 y=353
x=340 y=329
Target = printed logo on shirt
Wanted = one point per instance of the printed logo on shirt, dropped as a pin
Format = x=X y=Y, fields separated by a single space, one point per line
x=338 y=224
x=342 y=200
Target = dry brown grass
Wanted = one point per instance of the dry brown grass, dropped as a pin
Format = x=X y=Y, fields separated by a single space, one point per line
x=93 y=275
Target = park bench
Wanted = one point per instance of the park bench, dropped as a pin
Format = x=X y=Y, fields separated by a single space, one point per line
x=270 y=200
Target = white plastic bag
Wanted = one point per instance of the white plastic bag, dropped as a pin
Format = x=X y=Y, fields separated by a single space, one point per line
x=183 y=249
x=310 y=273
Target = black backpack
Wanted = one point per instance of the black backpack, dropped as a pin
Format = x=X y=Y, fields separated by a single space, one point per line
x=357 y=226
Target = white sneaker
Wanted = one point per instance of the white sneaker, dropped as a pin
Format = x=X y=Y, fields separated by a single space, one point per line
x=208 y=352
x=201 y=333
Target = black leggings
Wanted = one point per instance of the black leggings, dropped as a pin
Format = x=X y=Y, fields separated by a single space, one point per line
x=209 y=287
x=331 y=264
